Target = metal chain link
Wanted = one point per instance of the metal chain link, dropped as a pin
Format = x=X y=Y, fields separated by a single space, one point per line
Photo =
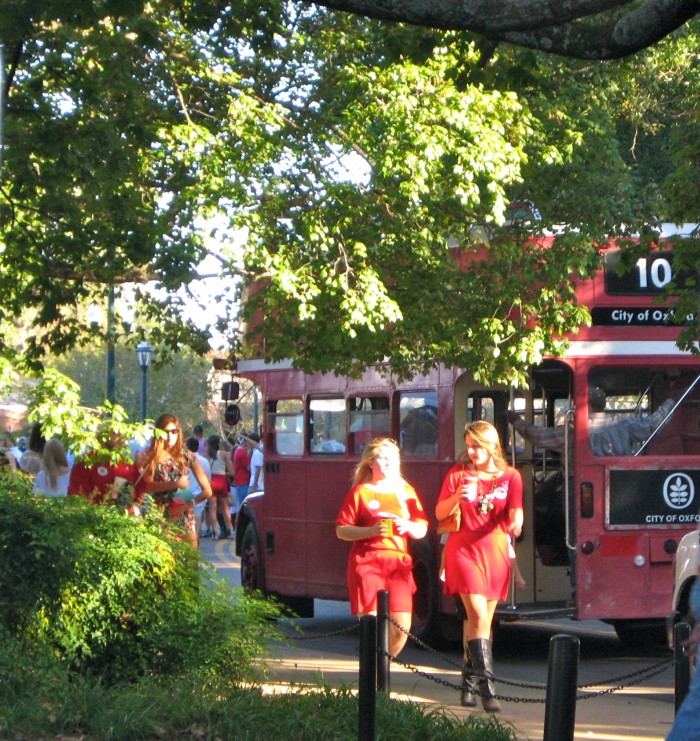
x=633 y=677
x=458 y=688
x=330 y=634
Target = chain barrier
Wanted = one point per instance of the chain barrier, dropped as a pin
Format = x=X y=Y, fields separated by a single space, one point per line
x=619 y=683
x=350 y=629
x=631 y=679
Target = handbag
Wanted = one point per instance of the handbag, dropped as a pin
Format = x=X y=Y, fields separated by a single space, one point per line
x=453 y=522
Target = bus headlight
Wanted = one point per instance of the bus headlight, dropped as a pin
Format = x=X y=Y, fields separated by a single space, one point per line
x=639 y=560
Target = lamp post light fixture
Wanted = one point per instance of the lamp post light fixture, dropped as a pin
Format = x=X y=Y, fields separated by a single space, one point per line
x=144 y=352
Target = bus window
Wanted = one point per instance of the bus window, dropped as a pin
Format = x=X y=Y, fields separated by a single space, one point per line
x=418 y=421
x=517 y=405
x=285 y=424
x=369 y=418
x=327 y=429
x=480 y=407
x=629 y=412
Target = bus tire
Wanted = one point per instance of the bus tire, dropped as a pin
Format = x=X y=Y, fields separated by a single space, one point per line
x=425 y=601
x=252 y=567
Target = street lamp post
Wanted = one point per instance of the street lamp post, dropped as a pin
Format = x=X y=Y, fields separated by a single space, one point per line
x=144 y=353
x=95 y=317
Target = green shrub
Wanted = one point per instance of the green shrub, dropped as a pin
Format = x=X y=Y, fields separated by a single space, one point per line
x=118 y=596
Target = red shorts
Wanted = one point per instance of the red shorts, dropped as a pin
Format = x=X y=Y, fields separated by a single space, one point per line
x=219 y=485
x=370 y=572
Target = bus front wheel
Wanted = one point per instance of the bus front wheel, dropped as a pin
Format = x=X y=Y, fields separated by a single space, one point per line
x=252 y=575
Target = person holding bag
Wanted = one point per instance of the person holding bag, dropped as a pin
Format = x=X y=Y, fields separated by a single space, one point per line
x=489 y=495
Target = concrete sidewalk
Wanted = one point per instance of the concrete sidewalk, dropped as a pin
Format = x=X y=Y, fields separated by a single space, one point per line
x=328 y=653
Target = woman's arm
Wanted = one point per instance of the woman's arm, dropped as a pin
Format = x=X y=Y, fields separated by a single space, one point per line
x=515 y=525
x=445 y=507
x=357 y=532
x=157 y=487
x=228 y=462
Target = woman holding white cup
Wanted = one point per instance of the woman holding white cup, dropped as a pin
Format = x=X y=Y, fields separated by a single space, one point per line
x=477 y=557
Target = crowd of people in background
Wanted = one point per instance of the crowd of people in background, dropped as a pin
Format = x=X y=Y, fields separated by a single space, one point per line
x=199 y=483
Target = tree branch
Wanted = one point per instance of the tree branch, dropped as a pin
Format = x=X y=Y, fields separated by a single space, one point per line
x=572 y=28
x=607 y=40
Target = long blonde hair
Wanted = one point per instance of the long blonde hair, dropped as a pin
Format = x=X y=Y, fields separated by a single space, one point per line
x=54 y=461
x=363 y=470
x=485 y=434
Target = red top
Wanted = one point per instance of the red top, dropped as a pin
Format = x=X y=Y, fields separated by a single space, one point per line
x=93 y=481
x=364 y=506
x=241 y=466
x=506 y=490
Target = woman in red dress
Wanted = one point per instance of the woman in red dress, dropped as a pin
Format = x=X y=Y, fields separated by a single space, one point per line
x=477 y=561
x=379 y=514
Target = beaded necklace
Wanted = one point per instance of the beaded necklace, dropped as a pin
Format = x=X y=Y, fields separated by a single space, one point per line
x=484 y=502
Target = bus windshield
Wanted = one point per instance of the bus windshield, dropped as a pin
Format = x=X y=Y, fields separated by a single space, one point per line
x=635 y=411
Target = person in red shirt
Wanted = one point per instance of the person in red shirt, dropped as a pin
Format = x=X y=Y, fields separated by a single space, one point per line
x=94 y=477
x=379 y=513
x=241 y=471
x=477 y=556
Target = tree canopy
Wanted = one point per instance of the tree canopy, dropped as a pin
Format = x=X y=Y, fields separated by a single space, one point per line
x=335 y=166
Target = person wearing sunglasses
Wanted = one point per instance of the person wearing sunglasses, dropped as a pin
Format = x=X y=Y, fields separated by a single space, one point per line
x=167 y=465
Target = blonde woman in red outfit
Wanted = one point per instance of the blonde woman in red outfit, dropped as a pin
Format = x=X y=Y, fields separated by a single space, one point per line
x=378 y=515
x=477 y=560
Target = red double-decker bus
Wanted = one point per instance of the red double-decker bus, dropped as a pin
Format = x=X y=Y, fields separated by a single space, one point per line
x=602 y=523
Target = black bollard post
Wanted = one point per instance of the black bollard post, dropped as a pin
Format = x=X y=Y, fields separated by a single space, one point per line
x=681 y=635
x=368 y=677
x=560 y=708
x=383 y=631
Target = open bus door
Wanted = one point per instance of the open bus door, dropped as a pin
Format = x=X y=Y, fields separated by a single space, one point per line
x=546 y=550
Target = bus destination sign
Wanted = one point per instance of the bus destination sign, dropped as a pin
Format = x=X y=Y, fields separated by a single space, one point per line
x=649 y=276
x=633 y=316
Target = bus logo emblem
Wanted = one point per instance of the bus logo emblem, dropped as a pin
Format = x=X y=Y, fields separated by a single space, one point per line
x=679 y=491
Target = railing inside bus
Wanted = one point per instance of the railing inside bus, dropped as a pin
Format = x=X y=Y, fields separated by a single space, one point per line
x=568 y=419
x=668 y=416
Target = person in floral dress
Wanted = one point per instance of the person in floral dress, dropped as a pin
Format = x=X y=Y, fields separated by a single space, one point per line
x=167 y=464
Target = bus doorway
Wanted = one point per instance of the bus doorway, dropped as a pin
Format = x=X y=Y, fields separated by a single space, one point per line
x=540 y=445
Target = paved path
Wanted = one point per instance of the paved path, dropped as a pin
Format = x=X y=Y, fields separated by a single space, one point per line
x=641 y=712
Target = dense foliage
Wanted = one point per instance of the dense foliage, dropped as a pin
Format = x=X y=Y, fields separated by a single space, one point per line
x=118 y=597
x=335 y=167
